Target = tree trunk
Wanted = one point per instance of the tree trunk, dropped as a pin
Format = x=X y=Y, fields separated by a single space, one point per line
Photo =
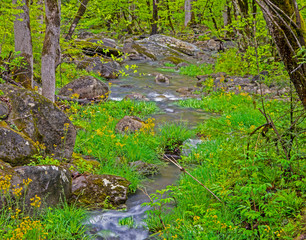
x=77 y=18
x=288 y=31
x=227 y=14
x=154 y=17
x=188 y=12
x=51 y=48
x=23 y=44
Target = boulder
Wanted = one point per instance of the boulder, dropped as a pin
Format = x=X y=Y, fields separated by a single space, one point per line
x=86 y=87
x=136 y=96
x=108 y=70
x=160 y=43
x=136 y=51
x=40 y=120
x=100 y=191
x=129 y=124
x=161 y=79
x=51 y=183
x=15 y=148
x=186 y=90
x=145 y=169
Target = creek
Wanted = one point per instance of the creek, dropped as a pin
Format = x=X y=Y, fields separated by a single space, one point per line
x=105 y=223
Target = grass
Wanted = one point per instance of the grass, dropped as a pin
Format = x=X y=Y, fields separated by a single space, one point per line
x=263 y=192
x=194 y=70
x=114 y=151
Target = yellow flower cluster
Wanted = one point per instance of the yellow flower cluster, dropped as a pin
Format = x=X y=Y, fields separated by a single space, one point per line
x=26 y=226
x=40 y=146
x=5 y=183
x=36 y=201
x=148 y=127
x=17 y=191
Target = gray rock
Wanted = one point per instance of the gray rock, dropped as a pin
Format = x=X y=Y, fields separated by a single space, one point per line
x=186 y=90
x=145 y=169
x=162 y=79
x=129 y=124
x=40 y=120
x=100 y=191
x=51 y=183
x=108 y=70
x=4 y=110
x=15 y=148
x=163 y=45
x=86 y=87
x=137 y=51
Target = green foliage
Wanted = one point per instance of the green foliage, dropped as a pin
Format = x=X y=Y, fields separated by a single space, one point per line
x=41 y=160
x=194 y=70
x=65 y=222
x=172 y=135
x=167 y=64
x=128 y=221
x=261 y=189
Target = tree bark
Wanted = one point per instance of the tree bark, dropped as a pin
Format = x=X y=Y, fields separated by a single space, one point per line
x=23 y=44
x=188 y=12
x=154 y=17
x=51 y=48
x=288 y=30
x=77 y=18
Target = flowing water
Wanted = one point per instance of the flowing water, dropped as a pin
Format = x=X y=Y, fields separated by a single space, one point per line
x=105 y=224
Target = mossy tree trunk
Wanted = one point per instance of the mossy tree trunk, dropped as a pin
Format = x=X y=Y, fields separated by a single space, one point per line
x=23 y=44
x=51 y=48
x=77 y=18
x=288 y=30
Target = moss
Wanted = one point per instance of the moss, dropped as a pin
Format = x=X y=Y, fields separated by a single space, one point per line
x=96 y=195
x=3 y=124
x=174 y=60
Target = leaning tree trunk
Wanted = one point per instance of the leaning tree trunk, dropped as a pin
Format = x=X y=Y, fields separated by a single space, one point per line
x=23 y=44
x=51 y=47
x=154 y=17
x=77 y=18
x=288 y=31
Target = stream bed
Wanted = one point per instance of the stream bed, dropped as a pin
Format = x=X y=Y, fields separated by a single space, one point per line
x=104 y=224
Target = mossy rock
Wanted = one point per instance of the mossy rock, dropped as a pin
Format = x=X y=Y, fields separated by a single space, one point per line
x=15 y=147
x=40 y=120
x=51 y=183
x=93 y=47
x=174 y=60
x=100 y=191
x=143 y=51
x=86 y=87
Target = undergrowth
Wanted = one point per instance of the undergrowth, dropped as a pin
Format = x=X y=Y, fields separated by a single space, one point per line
x=243 y=161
